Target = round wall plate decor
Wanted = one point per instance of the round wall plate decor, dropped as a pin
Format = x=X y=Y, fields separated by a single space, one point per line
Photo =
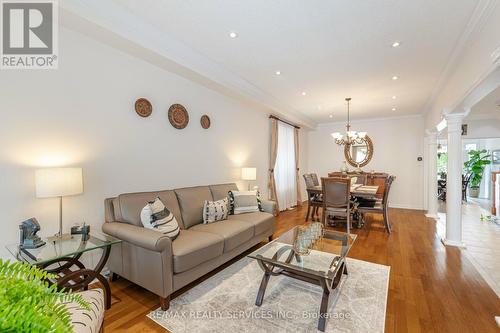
x=143 y=107
x=178 y=116
x=205 y=121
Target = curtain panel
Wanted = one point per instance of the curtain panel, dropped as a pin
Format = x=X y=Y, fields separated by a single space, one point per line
x=272 y=162
x=297 y=173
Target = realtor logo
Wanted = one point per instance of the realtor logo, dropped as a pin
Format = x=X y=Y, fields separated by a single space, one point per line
x=29 y=34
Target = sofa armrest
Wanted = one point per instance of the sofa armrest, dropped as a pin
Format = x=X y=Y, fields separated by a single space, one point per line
x=268 y=206
x=143 y=237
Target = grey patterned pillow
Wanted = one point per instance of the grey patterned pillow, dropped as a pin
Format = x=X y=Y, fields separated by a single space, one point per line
x=157 y=217
x=241 y=202
x=215 y=210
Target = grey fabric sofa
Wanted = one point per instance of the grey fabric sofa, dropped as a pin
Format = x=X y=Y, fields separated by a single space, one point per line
x=162 y=266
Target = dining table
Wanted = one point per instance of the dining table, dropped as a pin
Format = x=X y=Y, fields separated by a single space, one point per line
x=357 y=190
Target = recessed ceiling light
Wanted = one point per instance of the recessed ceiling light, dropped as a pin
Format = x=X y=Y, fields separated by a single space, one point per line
x=277 y=72
x=331 y=116
x=393 y=97
x=320 y=107
x=395 y=77
x=393 y=109
x=396 y=44
x=233 y=34
x=304 y=93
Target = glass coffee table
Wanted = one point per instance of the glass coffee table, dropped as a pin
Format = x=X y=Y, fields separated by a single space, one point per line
x=322 y=262
x=62 y=257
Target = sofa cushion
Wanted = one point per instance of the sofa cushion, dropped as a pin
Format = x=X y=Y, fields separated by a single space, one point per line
x=191 y=201
x=192 y=248
x=261 y=221
x=128 y=206
x=234 y=232
x=219 y=191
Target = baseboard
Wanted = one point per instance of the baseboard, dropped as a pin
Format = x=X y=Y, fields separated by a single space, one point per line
x=432 y=216
x=404 y=206
x=448 y=242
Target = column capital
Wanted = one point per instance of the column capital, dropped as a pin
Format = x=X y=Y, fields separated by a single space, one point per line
x=454 y=121
x=454 y=117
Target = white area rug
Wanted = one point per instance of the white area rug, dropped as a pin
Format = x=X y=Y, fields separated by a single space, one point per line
x=226 y=302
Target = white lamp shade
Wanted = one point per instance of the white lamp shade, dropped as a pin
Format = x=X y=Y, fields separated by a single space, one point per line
x=336 y=135
x=58 y=182
x=249 y=173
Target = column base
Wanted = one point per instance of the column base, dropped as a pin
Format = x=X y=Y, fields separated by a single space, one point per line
x=432 y=216
x=447 y=242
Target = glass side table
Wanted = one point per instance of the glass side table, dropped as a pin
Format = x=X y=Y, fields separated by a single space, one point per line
x=62 y=257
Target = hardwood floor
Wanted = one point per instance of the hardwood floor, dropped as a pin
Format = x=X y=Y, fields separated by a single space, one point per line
x=431 y=288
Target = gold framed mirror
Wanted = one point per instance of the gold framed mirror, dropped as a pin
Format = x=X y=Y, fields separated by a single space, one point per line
x=359 y=154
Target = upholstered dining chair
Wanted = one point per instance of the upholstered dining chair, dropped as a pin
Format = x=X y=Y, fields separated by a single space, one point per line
x=336 y=199
x=358 y=178
x=314 y=199
x=381 y=206
x=315 y=179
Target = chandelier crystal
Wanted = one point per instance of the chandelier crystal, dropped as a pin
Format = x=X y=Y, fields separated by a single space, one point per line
x=350 y=137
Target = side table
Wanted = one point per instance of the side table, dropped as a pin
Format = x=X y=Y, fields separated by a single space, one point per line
x=62 y=257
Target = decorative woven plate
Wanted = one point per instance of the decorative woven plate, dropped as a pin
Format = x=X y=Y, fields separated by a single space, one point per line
x=205 y=121
x=143 y=107
x=178 y=116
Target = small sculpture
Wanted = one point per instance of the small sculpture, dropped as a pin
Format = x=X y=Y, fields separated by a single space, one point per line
x=28 y=238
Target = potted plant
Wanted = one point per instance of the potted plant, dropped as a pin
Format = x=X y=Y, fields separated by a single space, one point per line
x=28 y=303
x=474 y=167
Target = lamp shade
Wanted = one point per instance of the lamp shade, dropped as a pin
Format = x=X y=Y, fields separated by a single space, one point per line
x=58 y=182
x=249 y=173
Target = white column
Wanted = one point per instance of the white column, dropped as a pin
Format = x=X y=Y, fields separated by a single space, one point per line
x=432 y=201
x=454 y=182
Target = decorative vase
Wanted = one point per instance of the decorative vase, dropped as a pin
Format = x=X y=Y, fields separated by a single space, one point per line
x=358 y=169
x=344 y=168
x=473 y=192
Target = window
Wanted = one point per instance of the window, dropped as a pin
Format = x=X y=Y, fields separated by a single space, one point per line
x=285 y=169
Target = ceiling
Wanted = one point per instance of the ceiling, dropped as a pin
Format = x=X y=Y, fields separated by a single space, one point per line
x=328 y=49
x=488 y=107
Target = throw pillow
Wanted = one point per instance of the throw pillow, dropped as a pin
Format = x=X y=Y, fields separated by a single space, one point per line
x=215 y=210
x=157 y=217
x=241 y=202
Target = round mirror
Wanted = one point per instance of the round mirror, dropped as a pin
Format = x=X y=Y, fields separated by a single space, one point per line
x=359 y=153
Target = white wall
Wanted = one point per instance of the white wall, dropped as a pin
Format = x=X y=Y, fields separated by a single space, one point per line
x=82 y=115
x=483 y=128
x=397 y=144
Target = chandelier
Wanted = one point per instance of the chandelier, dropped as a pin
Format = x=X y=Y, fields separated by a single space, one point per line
x=350 y=137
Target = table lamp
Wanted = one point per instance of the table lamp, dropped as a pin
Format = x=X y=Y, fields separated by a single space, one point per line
x=249 y=174
x=58 y=182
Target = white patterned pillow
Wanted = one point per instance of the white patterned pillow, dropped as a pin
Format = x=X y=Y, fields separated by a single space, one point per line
x=241 y=202
x=215 y=210
x=157 y=217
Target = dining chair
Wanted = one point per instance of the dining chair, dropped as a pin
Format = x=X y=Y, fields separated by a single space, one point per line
x=380 y=207
x=314 y=199
x=465 y=184
x=315 y=179
x=336 y=199
x=358 y=178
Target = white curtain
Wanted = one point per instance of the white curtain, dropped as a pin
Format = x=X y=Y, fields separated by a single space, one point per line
x=285 y=170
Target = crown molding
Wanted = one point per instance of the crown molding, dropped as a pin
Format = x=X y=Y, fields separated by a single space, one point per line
x=369 y=120
x=476 y=23
x=495 y=55
x=125 y=31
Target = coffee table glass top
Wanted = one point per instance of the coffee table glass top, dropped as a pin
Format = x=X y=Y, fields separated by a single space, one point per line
x=53 y=250
x=323 y=260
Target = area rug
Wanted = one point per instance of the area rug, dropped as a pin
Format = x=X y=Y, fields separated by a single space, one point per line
x=226 y=302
